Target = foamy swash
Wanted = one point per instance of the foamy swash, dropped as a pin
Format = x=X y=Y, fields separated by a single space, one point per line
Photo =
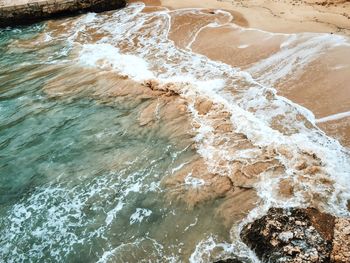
x=274 y=130
x=243 y=129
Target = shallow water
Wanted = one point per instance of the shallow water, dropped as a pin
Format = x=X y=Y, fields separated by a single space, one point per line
x=79 y=181
x=95 y=169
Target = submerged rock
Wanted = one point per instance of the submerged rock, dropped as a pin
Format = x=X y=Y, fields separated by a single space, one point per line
x=229 y=260
x=293 y=235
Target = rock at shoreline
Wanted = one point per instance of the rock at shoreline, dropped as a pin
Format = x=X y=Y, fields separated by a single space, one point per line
x=299 y=235
x=229 y=260
x=341 y=242
x=34 y=11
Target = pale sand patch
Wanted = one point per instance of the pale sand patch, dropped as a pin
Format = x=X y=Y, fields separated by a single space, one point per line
x=282 y=16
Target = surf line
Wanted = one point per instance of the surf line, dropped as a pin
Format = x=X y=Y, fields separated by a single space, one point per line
x=334 y=117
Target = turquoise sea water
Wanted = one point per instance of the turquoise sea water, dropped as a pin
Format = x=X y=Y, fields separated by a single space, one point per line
x=97 y=164
x=79 y=179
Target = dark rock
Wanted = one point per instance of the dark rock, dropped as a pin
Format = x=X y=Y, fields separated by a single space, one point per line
x=25 y=14
x=324 y=223
x=229 y=260
x=291 y=235
x=234 y=259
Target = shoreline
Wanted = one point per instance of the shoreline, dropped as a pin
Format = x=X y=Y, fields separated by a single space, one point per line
x=26 y=12
x=321 y=86
x=195 y=144
x=297 y=16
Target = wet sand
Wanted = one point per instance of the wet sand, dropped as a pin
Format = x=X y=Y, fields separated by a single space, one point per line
x=221 y=168
x=283 y=16
x=166 y=114
x=245 y=148
x=321 y=85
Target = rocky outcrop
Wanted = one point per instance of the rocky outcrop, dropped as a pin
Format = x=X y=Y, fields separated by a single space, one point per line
x=229 y=260
x=341 y=242
x=299 y=235
x=12 y=15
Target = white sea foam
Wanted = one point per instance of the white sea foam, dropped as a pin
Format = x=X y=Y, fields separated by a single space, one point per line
x=108 y=57
x=243 y=46
x=193 y=182
x=337 y=67
x=48 y=37
x=137 y=44
x=297 y=51
x=191 y=225
x=126 y=252
x=55 y=216
x=139 y=215
x=179 y=167
x=334 y=117
x=210 y=249
x=254 y=107
x=112 y=213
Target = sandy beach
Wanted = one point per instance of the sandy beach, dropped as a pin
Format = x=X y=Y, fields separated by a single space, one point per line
x=283 y=16
x=322 y=86
x=173 y=131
